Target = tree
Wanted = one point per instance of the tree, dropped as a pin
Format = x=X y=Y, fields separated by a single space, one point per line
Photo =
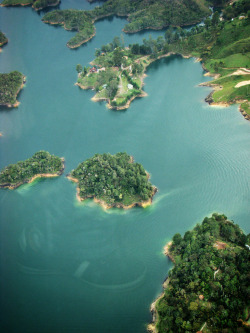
x=177 y=239
x=117 y=57
x=79 y=68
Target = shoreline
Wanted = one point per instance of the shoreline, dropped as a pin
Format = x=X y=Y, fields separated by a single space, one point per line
x=216 y=87
x=17 y=103
x=142 y=94
x=105 y=205
x=39 y=175
x=151 y=327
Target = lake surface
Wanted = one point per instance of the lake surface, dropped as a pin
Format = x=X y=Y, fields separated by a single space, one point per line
x=70 y=267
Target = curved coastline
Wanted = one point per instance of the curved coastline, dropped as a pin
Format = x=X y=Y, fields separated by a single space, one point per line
x=39 y=175
x=17 y=103
x=152 y=326
x=104 y=205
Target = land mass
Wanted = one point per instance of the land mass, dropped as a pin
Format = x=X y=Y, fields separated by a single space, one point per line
x=36 y=4
x=40 y=165
x=113 y=181
x=3 y=39
x=10 y=86
x=207 y=290
x=141 y=15
x=222 y=44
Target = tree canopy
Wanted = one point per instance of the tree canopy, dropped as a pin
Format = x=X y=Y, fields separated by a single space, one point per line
x=113 y=179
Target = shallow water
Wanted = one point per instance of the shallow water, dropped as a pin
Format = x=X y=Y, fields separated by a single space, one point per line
x=71 y=267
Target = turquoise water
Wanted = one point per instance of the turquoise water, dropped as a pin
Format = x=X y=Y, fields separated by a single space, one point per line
x=70 y=267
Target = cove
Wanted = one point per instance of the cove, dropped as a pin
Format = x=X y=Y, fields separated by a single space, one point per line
x=70 y=267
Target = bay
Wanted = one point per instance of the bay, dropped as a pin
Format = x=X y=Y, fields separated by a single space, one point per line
x=70 y=267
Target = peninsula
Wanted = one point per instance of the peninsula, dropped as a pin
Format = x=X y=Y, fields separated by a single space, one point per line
x=207 y=290
x=141 y=15
x=36 y=4
x=3 y=39
x=10 y=85
x=40 y=165
x=113 y=181
x=223 y=46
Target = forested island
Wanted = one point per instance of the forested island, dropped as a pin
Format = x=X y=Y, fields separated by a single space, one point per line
x=3 y=39
x=141 y=15
x=208 y=288
x=222 y=44
x=113 y=181
x=10 y=85
x=36 y=4
x=41 y=165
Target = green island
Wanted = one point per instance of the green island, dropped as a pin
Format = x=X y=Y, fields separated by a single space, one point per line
x=222 y=44
x=113 y=181
x=208 y=288
x=141 y=15
x=40 y=165
x=3 y=39
x=10 y=85
x=36 y=4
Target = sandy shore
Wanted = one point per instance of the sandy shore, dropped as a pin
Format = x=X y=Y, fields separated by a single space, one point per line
x=39 y=175
x=105 y=205
x=9 y=105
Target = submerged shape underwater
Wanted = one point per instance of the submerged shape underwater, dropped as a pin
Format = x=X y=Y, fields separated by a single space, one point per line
x=71 y=267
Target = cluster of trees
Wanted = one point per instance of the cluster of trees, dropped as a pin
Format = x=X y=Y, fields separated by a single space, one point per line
x=142 y=14
x=154 y=14
x=40 y=163
x=10 y=85
x=78 y=20
x=207 y=284
x=113 y=178
x=236 y=8
x=37 y=4
x=3 y=39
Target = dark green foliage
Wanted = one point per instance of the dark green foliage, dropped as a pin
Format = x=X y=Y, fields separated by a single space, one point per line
x=36 y=4
x=142 y=14
x=78 y=20
x=3 y=39
x=155 y=14
x=113 y=179
x=10 y=84
x=41 y=162
x=79 y=68
x=209 y=283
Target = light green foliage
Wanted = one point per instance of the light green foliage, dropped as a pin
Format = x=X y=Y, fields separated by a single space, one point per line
x=40 y=163
x=113 y=179
x=10 y=84
x=208 y=284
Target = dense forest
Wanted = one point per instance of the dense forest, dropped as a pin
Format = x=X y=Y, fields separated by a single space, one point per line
x=41 y=163
x=141 y=14
x=10 y=85
x=3 y=39
x=36 y=4
x=72 y=19
x=114 y=179
x=209 y=285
